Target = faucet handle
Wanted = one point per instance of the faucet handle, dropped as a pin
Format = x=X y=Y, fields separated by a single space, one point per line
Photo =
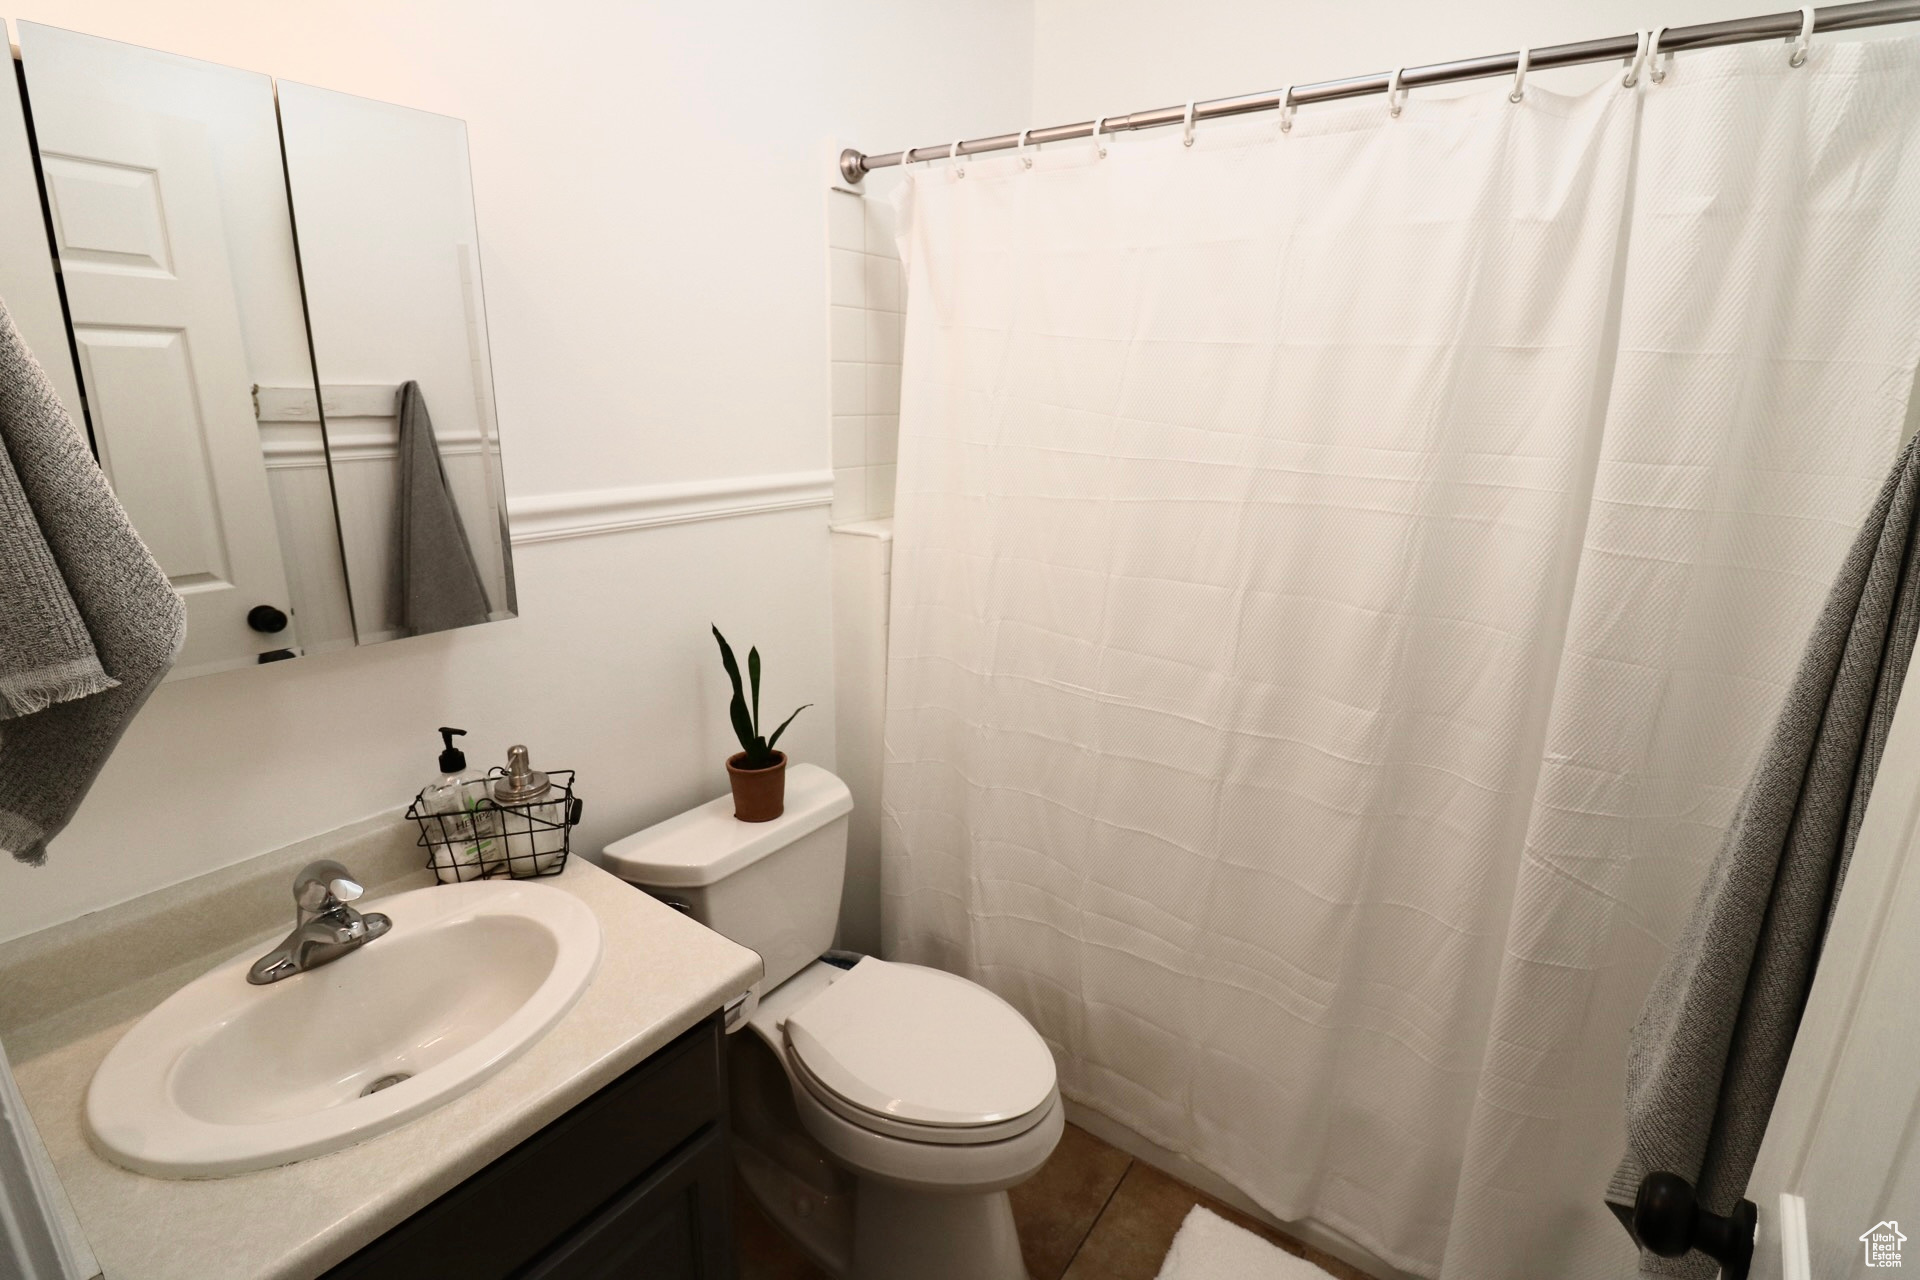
x=324 y=885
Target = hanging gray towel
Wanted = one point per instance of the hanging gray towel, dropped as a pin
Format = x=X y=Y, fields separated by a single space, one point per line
x=46 y=655
x=1708 y=1053
x=440 y=586
x=88 y=624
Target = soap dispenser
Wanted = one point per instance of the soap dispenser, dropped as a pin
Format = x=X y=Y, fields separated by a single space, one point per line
x=463 y=833
x=534 y=815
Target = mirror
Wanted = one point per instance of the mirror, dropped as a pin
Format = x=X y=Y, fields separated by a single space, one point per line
x=169 y=219
x=383 y=203
x=300 y=427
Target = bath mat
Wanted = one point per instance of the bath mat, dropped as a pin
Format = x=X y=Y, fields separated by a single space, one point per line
x=1208 y=1247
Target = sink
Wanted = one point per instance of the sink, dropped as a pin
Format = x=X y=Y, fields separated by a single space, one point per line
x=224 y=1077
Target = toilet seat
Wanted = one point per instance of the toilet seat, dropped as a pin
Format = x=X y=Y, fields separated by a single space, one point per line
x=921 y=1054
x=940 y=1135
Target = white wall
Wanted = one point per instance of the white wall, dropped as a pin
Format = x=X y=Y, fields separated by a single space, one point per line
x=1114 y=56
x=651 y=190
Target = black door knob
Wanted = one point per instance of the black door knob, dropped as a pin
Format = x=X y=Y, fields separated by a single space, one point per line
x=265 y=618
x=1668 y=1221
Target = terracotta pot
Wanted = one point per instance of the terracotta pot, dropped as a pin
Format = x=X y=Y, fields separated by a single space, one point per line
x=759 y=795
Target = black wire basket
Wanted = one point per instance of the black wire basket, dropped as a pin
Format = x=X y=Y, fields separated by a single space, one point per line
x=491 y=840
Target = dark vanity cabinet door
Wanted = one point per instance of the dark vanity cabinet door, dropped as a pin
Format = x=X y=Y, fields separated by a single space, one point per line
x=675 y=1223
x=632 y=1184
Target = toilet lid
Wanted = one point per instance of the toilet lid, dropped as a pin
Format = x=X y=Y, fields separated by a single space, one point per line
x=922 y=1046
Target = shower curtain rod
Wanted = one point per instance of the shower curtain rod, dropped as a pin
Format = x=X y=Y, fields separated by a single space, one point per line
x=855 y=165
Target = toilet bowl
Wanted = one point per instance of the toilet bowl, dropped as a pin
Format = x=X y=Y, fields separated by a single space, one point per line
x=881 y=1110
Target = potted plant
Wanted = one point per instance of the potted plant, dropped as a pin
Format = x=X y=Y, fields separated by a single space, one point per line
x=757 y=771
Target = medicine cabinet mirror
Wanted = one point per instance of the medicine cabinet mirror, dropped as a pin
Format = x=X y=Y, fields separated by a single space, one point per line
x=275 y=332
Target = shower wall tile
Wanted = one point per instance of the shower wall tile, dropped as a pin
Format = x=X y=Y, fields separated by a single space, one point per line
x=849 y=387
x=881 y=438
x=880 y=224
x=883 y=388
x=850 y=440
x=866 y=328
x=879 y=491
x=849 y=277
x=848 y=335
x=849 y=496
x=846 y=223
x=885 y=334
x=883 y=283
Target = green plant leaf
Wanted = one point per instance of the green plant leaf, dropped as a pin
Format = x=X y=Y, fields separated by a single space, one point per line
x=726 y=658
x=783 y=725
x=737 y=709
x=753 y=673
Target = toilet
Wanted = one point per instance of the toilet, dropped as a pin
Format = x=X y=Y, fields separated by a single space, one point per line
x=881 y=1110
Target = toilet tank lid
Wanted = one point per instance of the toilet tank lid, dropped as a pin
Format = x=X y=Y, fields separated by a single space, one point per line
x=702 y=845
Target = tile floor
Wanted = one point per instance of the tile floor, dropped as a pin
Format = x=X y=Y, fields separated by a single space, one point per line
x=1092 y=1213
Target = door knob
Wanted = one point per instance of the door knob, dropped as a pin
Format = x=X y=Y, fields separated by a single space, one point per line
x=266 y=619
x=1668 y=1221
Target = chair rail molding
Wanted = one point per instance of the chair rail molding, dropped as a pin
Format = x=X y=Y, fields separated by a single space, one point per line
x=550 y=517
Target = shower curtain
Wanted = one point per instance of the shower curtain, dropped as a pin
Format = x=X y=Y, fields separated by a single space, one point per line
x=1342 y=576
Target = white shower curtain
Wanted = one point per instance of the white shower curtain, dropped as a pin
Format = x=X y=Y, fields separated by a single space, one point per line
x=1341 y=578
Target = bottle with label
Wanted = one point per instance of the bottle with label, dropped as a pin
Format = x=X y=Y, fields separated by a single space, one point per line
x=462 y=828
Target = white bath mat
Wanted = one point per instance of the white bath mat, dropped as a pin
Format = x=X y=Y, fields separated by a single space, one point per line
x=1208 y=1247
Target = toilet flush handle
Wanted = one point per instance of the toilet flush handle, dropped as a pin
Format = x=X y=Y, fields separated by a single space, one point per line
x=739 y=1011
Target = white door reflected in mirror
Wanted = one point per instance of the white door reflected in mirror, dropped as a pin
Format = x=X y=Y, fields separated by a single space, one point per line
x=171 y=227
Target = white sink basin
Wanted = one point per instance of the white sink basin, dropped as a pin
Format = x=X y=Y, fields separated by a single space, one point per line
x=224 y=1076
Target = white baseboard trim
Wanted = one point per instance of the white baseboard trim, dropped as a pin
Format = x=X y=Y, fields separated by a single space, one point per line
x=587 y=512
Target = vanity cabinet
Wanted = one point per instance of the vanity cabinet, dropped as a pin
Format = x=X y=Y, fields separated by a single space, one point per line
x=634 y=1182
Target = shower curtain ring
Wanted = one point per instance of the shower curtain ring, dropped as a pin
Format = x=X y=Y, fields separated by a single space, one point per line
x=1396 y=96
x=1656 y=70
x=1520 y=75
x=1020 y=149
x=953 y=158
x=1632 y=77
x=1287 y=109
x=1805 y=40
x=1186 y=127
x=1099 y=147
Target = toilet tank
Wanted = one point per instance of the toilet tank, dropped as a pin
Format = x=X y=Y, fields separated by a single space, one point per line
x=773 y=886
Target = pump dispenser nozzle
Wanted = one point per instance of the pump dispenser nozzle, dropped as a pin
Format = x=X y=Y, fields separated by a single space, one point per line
x=523 y=782
x=453 y=759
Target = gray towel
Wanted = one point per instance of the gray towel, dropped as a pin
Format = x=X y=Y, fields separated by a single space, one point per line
x=440 y=585
x=46 y=655
x=1708 y=1053
x=81 y=601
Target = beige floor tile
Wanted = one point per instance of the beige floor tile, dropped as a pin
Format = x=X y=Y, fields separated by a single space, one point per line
x=1131 y=1237
x=1056 y=1208
x=1091 y=1213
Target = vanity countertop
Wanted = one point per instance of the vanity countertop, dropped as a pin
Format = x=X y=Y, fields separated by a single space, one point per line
x=659 y=974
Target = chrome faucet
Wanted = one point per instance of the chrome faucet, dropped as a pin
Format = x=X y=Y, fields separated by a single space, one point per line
x=324 y=928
